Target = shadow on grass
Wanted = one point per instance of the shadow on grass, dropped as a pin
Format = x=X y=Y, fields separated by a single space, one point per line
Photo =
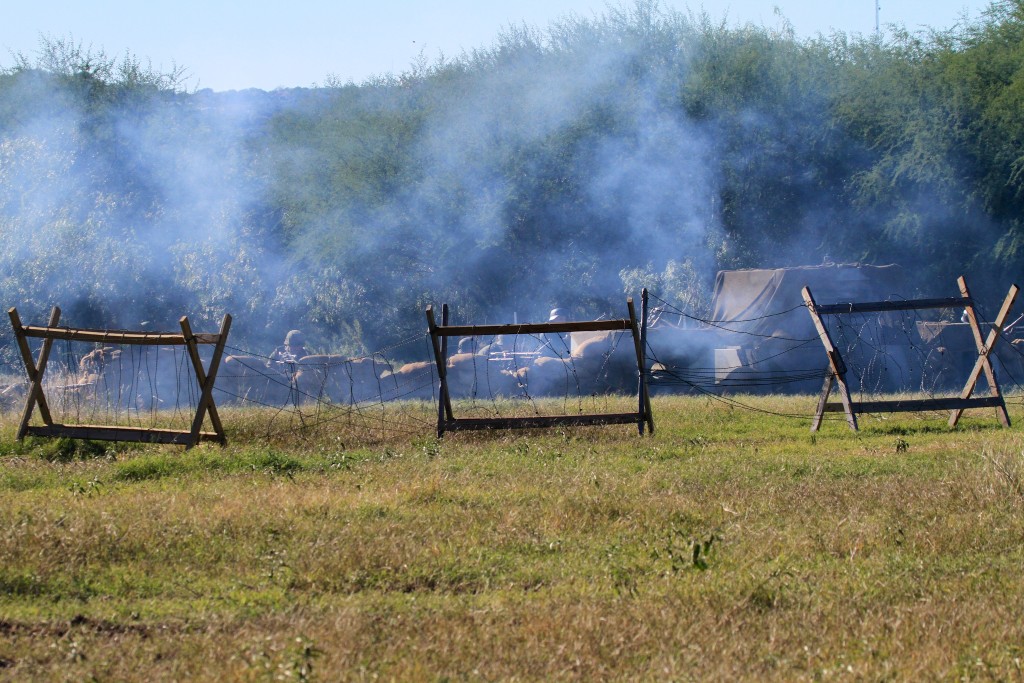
x=931 y=427
x=268 y=461
x=69 y=450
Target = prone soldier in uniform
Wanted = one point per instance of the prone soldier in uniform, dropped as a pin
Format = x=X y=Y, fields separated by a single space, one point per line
x=293 y=349
x=284 y=359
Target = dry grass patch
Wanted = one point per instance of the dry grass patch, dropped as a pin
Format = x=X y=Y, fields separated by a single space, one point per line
x=733 y=544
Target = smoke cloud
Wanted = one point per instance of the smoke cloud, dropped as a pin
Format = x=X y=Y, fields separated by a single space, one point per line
x=555 y=168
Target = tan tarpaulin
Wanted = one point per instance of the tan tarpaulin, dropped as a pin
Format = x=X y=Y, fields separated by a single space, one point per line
x=743 y=298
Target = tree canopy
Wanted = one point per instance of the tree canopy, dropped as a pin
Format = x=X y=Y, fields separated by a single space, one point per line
x=558 y=166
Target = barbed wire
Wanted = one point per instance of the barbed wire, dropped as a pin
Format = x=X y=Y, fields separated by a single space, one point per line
x=880 y=351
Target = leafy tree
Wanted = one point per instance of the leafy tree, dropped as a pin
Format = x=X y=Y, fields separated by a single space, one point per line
x=554 y=167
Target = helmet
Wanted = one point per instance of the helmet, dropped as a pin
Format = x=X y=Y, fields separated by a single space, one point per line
x=557 y=314
x=295 y=338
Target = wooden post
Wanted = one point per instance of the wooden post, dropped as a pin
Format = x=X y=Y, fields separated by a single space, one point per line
x=984 y=350
x=205 y=379
x=643 y=401
x=836 y=365
x=444 y=406
x=34 y=370
x=445 y=402
x=644 y=313
x=639 y=364
x=819 y=412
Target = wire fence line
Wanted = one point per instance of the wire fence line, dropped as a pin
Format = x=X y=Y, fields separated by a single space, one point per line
x=883 y=353
x=492 y=376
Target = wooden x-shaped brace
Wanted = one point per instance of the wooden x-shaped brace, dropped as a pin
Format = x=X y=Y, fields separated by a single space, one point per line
x=35 y=370
x=984 y=350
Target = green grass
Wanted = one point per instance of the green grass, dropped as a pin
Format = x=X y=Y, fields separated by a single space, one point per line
x=733 y=544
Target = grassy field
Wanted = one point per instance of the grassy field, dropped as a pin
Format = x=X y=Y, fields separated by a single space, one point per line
x=731 y=545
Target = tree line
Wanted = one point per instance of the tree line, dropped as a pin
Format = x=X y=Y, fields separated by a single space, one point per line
x=559 y=166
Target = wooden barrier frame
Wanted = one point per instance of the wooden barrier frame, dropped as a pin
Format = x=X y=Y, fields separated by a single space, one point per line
x=837 y=369
x=188 y=339
x=446 y=420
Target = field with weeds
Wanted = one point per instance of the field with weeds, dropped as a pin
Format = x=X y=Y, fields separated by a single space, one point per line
x=731 y=545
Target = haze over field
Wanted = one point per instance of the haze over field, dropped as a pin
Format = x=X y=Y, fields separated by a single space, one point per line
x=565 y=165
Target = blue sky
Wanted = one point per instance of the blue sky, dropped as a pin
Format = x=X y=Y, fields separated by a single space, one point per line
x=261 y=44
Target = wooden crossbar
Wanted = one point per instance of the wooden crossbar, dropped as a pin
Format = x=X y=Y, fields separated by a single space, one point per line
x=883 y=306
x=540 y=421
x=446 y=420
x=116 y=337
x=533 y=328
x=955 y=404
x=51 y=332
x=114 y=433
x=916 y=405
